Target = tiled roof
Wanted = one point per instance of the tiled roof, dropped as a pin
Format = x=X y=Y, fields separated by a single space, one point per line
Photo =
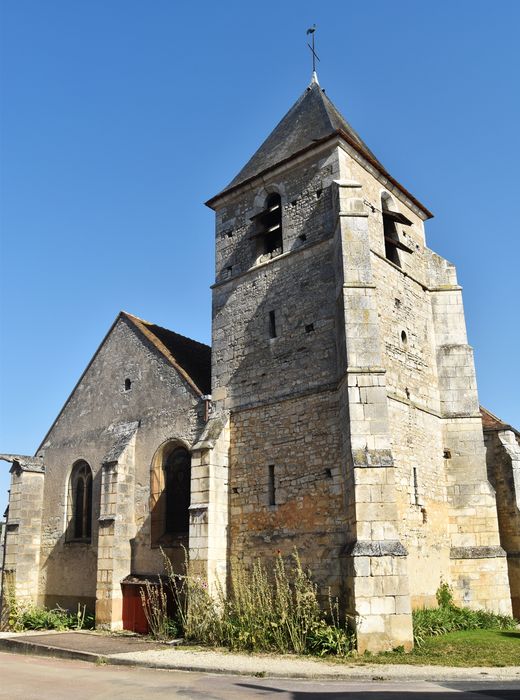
x=492 y=422
x=191 y=358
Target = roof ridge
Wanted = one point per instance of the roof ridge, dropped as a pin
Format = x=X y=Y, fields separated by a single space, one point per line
x=151 y=323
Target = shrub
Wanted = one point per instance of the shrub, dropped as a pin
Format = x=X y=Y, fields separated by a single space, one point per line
x=33 y=617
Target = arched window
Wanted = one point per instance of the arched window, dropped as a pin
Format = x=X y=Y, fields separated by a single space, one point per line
x=177 y=482
x=390 y=231
x=170 y=494
x=391 y=217
x=80 y=502
x=268 y=235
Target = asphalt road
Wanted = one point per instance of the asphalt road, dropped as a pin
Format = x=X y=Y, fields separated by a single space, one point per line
x=37 y=678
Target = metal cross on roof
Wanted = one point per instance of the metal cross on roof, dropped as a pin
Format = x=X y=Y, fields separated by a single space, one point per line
x=315 y=56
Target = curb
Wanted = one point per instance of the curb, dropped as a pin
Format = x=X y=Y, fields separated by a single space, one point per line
x=19 y=647
x=437 y=674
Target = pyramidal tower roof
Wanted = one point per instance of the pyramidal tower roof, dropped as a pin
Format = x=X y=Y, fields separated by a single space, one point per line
x=311 y=120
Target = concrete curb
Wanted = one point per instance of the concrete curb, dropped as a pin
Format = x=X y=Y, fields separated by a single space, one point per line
x=378 y=672
x=23 y=647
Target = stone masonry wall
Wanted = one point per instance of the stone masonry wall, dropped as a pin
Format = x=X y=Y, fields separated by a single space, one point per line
x=165 y=407
x=503 y=462
x=299 y=438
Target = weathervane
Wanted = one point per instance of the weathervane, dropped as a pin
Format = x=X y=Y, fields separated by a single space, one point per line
x=314 y=54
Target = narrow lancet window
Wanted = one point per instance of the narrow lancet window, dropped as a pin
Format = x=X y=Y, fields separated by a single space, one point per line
x=80 y=502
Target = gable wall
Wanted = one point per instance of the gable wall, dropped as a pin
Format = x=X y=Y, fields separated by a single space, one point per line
x=166 y=408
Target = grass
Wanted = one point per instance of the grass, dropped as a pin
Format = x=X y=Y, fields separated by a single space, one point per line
x=476 y=647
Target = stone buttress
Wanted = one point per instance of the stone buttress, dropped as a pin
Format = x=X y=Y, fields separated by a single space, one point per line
x=377 y=566
x=478 y=562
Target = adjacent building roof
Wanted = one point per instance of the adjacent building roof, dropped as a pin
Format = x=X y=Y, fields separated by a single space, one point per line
x=492 y=422
x=24 y=462
x=311 y=120
x=191 y=358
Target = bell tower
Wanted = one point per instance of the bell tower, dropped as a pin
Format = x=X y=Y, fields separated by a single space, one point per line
x=324 y=359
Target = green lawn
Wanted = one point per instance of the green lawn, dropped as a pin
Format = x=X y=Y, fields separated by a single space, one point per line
x=468 y=648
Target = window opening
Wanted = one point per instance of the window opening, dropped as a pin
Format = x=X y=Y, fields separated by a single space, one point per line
x=80 y=495
x=415 y=487
x=269 y=222
x=128 y=384
x=391 y=237
x=404 y=338
x=272 y=324
x=177 y=478
x=309 y=327
x=271 y=486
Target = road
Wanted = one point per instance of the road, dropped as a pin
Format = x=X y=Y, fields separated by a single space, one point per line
x=37 y=678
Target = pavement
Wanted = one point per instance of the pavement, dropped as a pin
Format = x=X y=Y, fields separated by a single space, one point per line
x=132 y=650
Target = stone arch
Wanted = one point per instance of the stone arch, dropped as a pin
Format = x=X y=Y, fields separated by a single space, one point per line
x=391 y=239
x=79 y=502
x=170 y=493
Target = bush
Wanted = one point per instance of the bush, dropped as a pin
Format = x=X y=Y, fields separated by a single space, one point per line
x=448 y=617
x=33 y=617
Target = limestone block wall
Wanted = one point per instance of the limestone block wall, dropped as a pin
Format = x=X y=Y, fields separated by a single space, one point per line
x=376 y=563
x=209 y=509
x=305 y=510
x=116 y=532
x=285 y=470
x=306 y=214
x=246 y=362
x=88 y=427
x=477 y=562
x=503 y=463
x=22 y=553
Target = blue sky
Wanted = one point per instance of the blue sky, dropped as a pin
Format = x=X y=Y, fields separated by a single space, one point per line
x=119 y=118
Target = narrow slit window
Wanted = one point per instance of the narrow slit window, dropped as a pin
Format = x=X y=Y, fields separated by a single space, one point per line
x=128 y=384
x=271 y=485
x=416 y=498
x=272 y=324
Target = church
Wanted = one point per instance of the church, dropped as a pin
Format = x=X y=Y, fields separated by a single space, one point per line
x=336 y=413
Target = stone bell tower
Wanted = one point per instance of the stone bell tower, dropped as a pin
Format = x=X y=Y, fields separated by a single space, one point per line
x=324 y=357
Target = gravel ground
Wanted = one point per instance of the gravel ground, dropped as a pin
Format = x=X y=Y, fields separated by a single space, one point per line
x=134 y=651
x=287 y=667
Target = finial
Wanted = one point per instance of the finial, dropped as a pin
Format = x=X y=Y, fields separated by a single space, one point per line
x=315 y=56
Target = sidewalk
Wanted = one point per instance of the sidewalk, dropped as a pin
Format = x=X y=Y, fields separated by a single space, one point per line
x=136 y=651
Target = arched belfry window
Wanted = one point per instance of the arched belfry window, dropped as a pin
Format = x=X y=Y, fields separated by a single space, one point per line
x=80 y=502
x=268 y=231
x=170 y=494
x=392 y=217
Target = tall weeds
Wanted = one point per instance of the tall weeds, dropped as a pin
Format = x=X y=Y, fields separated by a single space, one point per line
x=262 y=612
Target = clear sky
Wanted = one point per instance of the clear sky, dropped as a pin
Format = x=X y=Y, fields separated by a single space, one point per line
x=119 y=118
